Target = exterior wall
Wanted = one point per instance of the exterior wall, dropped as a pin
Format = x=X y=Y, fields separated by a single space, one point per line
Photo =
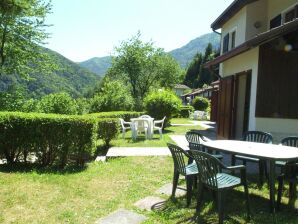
x=279 y=128
x=275 y=7
x=179 y=92
x=256 y=15
x=246 y=61
x=236 y=22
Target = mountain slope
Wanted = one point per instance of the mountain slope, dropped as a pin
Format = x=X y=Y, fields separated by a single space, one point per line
x=97 y=65
x=68 y=77
x=185 y=54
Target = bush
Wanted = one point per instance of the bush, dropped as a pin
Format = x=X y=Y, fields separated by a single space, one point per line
x=53 y=139
x=184 y=111
x=57 y=103
x=126 y=115
x=200 y=103
x=162 y=103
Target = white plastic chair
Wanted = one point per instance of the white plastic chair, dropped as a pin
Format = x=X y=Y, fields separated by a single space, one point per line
x=124 y=126
x=159 y=126
x=138 y=126
x=145 y=116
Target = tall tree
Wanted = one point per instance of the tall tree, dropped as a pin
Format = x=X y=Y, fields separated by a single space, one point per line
x=142 y=67
x=22 y=30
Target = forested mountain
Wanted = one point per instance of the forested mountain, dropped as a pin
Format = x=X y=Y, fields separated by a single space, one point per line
x=97 y=65
x=185 y=54
x=66 y=76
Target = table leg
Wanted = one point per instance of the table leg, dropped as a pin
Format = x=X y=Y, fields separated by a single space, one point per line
x=272 y=186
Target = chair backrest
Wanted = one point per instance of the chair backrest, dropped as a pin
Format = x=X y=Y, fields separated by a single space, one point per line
x=290 y=141
x=257 y=136
x=145 y=116
x=163 y=121
x=178 y=155
x=122 y=122
x=140 y=124
x=208 y=166
x=193 y=138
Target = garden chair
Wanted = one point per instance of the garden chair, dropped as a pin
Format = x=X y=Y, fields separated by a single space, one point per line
x=139 y=126
x=289 y=172
x=194 y=138
x=190 y=113
x=145 y=116
x=158 y=125
x=212 y=177
x=125 y=126
x=255 y=136
x=190 y=171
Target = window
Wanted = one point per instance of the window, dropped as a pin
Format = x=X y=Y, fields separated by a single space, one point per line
x=275 y=22
x=286 y=16
x=225 y=47
x=233 y=39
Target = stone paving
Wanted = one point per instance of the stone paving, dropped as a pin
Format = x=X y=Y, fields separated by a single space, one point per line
x=150 y=203
x=138 y=151
x=122 y=216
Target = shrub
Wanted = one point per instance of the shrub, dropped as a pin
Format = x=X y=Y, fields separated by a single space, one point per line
x=108 y=129
x=184 y=111
x=162 y=103
x=200 y=103
x=57 y=103
x=126 y=115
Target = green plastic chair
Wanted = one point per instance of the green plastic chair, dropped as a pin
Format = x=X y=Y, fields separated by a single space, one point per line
x=255 y=136
x=194 y=138
x=289 y=173
x=212 y=177
x=190 y=171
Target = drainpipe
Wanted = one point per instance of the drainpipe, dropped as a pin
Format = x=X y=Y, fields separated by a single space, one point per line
x=210 y=69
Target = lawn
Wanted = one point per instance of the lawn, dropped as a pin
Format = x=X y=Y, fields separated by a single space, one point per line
x=32 y=195
x=156 y=141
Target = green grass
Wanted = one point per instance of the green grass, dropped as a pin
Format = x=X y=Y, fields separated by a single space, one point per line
x=181 y=121
x=155 y=141
x=32 y=195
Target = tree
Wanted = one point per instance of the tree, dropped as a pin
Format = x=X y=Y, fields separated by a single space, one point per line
x=13 y=99
x=22 y=30
x=113 y=96
x=142 y=66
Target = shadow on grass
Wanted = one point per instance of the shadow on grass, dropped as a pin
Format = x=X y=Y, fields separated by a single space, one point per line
x=234 y=209
x=30 y=167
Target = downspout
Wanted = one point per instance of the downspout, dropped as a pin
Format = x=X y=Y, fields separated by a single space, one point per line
x=210 y=68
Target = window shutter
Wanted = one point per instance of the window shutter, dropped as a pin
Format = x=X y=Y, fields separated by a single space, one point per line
x=225 y=43
x=275 y=22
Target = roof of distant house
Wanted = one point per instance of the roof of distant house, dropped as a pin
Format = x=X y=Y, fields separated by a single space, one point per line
x=235 y=7
x=181 y=86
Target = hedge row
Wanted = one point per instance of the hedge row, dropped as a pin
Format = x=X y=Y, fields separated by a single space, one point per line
x=53 y=139
x=126 y=115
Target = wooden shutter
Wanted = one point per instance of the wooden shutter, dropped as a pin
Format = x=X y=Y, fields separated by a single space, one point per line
x=225 y=43
x=225 y=108
x=275 y=22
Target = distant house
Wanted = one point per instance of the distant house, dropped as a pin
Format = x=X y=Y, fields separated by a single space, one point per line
x=258 y=68
x=180 y=89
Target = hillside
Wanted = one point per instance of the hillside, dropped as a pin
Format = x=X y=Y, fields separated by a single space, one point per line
x=185 y=54
x=68 y=77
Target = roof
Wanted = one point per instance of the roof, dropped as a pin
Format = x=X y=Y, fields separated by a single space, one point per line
x=235 y=7
x=181 y=86
x=256 y=41
x=198 y=91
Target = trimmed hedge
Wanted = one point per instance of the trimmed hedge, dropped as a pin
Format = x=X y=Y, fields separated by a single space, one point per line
x=126 y=115
x=184 y=111
x=53 y=139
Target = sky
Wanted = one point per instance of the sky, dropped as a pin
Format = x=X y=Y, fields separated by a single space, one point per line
x=83 y=29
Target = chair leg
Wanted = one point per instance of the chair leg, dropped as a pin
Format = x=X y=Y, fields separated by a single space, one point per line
x=279 y=191
x=261 y=171
x=220 y=207
x=199 y=197
x=160 y=133
x=175 y=183
x=292 y=193
x=247 y=200
x=189 y=182
x=123 y=133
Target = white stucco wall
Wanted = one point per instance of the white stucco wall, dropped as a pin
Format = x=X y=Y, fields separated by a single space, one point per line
x=244 y=62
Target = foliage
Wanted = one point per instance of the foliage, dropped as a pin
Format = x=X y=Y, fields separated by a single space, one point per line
x=98 y=65
x=162 y=103
x=196 y=75
x=142 y=66
x=126 y=115
x=113 y=96
x=22 y=30
x=82 y=106
x=57 y=103
x=200 y=103
x=108 y=129
x=13 y=99
x=184 y=111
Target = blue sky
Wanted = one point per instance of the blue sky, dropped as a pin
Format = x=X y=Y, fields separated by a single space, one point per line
x=83 y=29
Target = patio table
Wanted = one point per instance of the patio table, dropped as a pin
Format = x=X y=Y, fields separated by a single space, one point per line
x=150 y=125
x=269 y=152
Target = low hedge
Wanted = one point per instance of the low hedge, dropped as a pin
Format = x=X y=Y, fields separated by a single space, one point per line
x=53 y=139
x=126 y=115
x=184 y=111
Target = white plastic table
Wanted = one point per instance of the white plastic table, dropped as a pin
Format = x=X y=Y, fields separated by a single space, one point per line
x=269 y=152
x=150 y=125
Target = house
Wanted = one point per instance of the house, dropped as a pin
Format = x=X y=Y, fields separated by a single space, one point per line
x=258 y=66
x=180 y=89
